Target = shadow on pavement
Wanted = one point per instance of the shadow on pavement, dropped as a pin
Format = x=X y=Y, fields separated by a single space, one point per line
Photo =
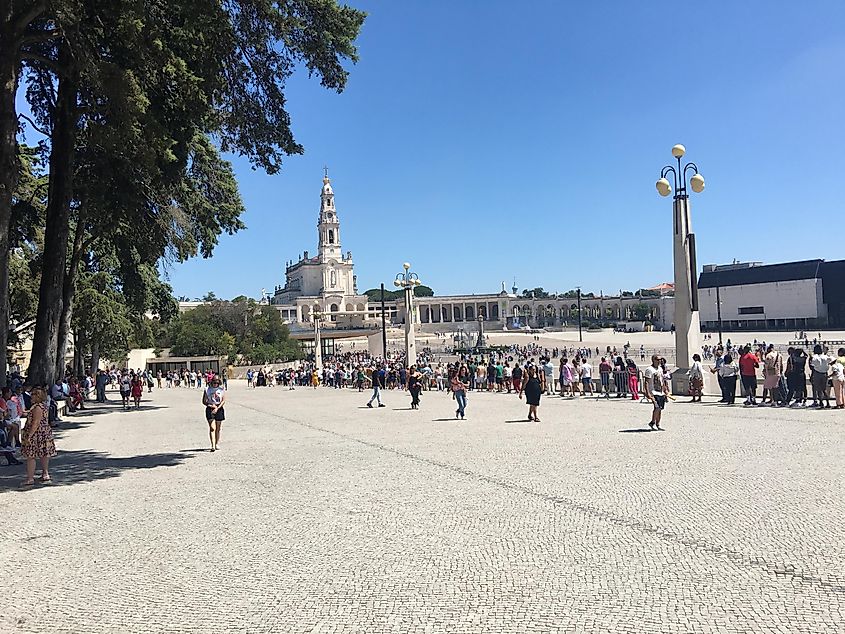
x=75 y=467
x=639 y=430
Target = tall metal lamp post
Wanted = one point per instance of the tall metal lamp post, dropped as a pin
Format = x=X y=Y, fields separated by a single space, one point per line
x=687 y=321
x=480 y=343
x=580 y=335
x=407 y=281
x=317 y=315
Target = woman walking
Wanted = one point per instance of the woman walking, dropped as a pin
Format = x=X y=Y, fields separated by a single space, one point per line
x=696 y=379
x=414 y=387
x=38 y=443
x=459 y=389
x=214 y=398
x=532 y=388
x=137 y=390
x=633 y=380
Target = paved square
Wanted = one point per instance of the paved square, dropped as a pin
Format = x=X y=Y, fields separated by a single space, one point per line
x=319 y=515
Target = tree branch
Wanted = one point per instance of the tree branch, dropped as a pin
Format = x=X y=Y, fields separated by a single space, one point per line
x=40 y=36
x=34 y=125
x=28 y=16
x=46 y=61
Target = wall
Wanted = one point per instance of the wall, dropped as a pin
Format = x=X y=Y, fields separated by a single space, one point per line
x=797 y=299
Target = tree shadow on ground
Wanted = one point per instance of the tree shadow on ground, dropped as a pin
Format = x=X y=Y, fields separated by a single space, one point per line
x=76 y=467
x=97 y=409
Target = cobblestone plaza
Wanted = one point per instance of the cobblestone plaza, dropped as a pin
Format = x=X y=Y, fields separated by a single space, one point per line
x=319 y=515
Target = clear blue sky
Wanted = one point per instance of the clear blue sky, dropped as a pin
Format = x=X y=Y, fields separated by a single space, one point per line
x=483 y=141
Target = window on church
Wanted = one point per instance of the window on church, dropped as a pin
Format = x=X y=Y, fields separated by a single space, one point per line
x=331 y=236
x=333 y=279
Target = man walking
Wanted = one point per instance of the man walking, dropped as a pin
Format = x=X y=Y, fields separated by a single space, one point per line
x=379 y=382
x=655 y=390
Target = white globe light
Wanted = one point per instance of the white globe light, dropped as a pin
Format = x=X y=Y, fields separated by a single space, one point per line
x=663 y=187
x=406 y=265
x=396 y=283
x=678 y=150
x=697 y=183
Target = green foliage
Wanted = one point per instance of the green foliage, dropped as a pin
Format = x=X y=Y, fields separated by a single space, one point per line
x=242 y=329
x=537 y=293
x=640 y=311
x=374 y=294
x=101 y=317
x=645 y=292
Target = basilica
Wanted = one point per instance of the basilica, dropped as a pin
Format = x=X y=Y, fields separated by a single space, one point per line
x=327 y=282
x=324 y=282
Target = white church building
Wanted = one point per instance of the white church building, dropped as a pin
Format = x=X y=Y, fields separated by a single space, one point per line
x=326 y=281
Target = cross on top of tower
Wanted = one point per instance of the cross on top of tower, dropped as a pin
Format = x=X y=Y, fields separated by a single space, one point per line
x=325 y=174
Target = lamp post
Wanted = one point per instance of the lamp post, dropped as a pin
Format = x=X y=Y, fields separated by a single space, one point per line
x=317 y=315
x=580 y=336
x=480 y=343
x=687 y=321
x=719 y=311
x=407 y=281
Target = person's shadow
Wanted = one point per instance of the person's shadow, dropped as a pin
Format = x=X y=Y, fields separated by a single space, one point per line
x=76 y=467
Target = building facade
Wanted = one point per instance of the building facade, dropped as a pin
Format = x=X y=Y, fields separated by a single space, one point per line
x=326 y=281
x=791 y=296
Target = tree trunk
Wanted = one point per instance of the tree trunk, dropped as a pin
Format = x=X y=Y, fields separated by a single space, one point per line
x=78 y=354
x=9 y=174
x=45 y=343
x=95 y=357
x=68 y=292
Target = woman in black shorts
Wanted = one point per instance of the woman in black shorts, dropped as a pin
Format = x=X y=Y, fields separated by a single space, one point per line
x=214 y=398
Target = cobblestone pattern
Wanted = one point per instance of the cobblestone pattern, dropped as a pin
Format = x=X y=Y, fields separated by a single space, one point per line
x=320 y=516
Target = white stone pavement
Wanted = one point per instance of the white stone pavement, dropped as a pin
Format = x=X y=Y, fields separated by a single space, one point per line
x=320 y=516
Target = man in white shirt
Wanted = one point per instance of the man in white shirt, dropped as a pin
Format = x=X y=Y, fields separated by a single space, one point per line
x=820 y=364
x=655 y=390
x=549 y=371
x=586 y=377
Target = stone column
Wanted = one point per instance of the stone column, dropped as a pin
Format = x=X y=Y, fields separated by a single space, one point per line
x=687 y=324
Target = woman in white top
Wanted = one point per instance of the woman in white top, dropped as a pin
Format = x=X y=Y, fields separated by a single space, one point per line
x=696 y=379
x=729 y=373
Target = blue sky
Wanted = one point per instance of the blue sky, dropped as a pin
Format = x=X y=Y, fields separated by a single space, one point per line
x=487 y=141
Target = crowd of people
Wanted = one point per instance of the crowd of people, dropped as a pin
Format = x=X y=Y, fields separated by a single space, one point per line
x=785 y=376
x=29 y=412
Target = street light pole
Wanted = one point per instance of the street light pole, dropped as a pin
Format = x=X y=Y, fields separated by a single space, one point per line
x=480 y=343
x=687 y=321
x=580 y=335
x=317 y=315
x=408 y=281
x=383 y=325
x=719 y=312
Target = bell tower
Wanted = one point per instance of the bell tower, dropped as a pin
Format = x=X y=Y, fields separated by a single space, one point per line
x=328 y=225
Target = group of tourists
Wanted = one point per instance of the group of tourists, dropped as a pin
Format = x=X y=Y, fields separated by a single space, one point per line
x=785 y=376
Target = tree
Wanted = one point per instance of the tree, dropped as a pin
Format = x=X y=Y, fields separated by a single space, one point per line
x=254 y=332
x=536 y=293
x=209 y=297
x=175 y=71
x=640 y=311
